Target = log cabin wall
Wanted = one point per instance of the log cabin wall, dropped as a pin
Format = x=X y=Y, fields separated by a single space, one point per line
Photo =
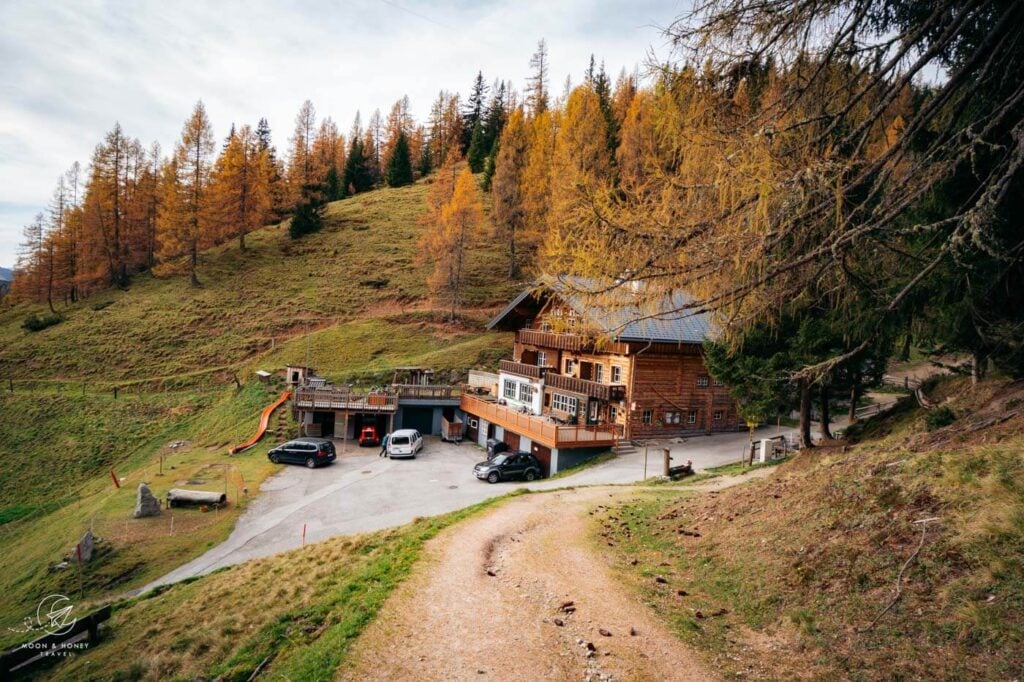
x=673 y=394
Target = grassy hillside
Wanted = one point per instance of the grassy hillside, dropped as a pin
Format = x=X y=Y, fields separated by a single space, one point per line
x=351 y=300
x=294 y=613
x=362 y=266
x=795 y=576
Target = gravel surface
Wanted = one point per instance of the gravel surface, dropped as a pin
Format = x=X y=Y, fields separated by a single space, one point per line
x=491 y=600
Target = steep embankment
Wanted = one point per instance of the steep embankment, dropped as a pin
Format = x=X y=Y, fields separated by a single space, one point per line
x=899 y=558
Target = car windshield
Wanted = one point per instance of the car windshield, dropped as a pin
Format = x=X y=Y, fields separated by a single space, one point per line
x=500 y=459
x=400 y=440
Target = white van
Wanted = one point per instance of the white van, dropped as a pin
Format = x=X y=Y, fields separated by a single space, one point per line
x=404 y=443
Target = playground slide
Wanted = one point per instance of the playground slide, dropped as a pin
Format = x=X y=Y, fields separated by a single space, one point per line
x=264 y=420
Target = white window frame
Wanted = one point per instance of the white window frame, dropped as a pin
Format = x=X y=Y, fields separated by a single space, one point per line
x=599 y=372
x=647 y=417
x=525 y=392
x=509 y=387
x=702 y=381
x=719 y=383
x=691 y=417
x=564 y=403
x=616 y=374
x=719 y=415
x=613 y=415
x=473 y=423
x=542 y=358
x=570 y=365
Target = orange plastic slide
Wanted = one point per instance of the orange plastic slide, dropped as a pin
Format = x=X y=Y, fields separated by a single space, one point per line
x=264 y=420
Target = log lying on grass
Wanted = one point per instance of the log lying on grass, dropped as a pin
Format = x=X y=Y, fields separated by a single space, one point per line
x=176 y=497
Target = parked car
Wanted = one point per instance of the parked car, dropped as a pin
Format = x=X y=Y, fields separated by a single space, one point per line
x=405 y=443
x=508 y=465
x=312 y=452
x=369 y=436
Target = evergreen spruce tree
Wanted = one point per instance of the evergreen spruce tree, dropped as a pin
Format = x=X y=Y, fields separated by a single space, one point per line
x=307 y=216
x=334 y=189
x=474 y=113
x=399 y=170
x=358 y=176
x=477 y=153
x=425 y=166
x=489 y=166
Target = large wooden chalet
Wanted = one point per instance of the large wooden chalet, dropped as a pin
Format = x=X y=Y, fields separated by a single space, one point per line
x=582 y=378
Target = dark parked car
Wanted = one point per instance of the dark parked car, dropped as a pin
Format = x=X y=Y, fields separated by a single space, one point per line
x=508 y=465
x=312 y=452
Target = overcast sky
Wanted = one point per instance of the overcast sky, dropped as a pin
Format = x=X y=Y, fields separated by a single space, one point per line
x=71 y=69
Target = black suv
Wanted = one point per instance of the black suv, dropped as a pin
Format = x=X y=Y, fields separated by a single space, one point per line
x=508 y=465
x=312 y=452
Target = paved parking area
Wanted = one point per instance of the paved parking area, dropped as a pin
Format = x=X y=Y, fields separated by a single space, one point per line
x=362 y=492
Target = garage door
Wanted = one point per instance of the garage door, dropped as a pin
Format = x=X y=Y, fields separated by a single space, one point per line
x=419 y=418
x=512 y=440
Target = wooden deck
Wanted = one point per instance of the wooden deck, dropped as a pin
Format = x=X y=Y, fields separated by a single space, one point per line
x=593 y=389
x=340 y=399
x=541 y=429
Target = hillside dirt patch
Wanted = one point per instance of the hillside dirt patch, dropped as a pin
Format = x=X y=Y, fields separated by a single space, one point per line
x=521 y=593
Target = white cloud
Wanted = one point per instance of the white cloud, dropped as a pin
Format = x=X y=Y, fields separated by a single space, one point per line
x=73 y=68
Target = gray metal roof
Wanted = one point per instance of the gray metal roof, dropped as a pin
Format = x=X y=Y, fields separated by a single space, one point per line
x=669 y=320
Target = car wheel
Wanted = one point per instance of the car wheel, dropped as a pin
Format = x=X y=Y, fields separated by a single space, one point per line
x=530 y=475
x=274 y=458
x=493 y=477
x=310 y=463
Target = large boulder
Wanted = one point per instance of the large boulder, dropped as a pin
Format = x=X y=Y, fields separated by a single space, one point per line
x=145 y=503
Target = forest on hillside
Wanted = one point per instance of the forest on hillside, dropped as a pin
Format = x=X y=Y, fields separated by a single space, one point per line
x=838 y=183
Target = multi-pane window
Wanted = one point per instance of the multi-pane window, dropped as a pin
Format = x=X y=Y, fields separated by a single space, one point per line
x=613 y=415
x=719 y=382
x=648 y=416
x=570 y=364
x=525 y=393
x=691 y=418
x=599 y=373
x=542 y=359
x=702 y=380
x=616 y=374
x=672 y=417
x=563 y=403
x=718 y=415
x=509 y=390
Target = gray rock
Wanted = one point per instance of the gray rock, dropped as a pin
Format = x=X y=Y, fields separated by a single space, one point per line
x=84 y=549
x=145 y=503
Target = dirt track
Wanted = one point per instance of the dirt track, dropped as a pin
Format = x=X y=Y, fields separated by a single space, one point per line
x=454 y=620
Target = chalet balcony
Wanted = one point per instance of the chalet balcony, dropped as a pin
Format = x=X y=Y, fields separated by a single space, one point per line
x=307 y=398
x=534 y=337
x=522 y=369
x=592 y=389
x=541 y=429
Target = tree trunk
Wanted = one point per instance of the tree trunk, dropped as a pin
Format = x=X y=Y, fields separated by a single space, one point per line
x=805 y=414
x=977 y=368
x=193 y=261
x=855 y=397
x=826 y=417
x=512 y=256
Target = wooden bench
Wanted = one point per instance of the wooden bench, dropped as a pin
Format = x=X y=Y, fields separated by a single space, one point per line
x=50 y=647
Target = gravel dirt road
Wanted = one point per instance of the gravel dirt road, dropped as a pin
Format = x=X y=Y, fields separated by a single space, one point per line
x=486 y=603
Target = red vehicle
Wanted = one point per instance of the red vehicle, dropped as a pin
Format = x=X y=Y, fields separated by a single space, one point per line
x=369 y=436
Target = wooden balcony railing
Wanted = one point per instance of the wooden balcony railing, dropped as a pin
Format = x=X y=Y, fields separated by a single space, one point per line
x=343 y=399
x=522 y=369
x=589 y=388
x=425 y=391
x=534 y=337
x=541 y=429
